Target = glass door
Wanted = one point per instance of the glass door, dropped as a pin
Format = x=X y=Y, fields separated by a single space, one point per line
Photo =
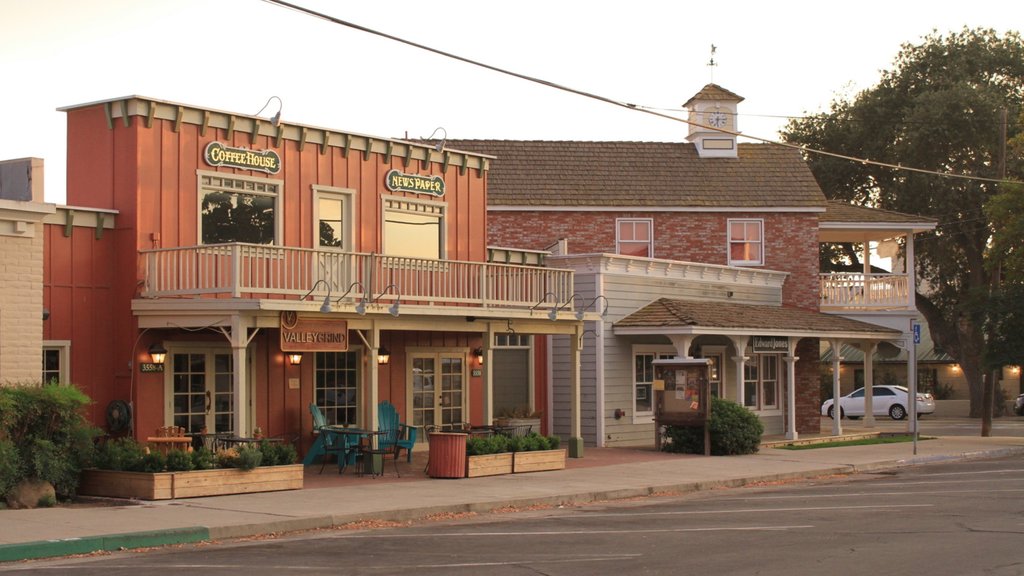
x=438 y=388
x=201 y=391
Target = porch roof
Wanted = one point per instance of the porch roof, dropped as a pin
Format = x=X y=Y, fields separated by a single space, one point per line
x=669 y=316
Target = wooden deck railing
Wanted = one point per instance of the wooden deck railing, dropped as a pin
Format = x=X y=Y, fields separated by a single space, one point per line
x=256 y=271
x=865 y=291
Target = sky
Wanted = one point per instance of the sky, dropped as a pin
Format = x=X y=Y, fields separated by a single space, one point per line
x=786 y=58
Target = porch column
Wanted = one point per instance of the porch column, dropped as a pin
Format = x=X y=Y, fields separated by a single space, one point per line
x=240 y=377
x=791 y=358
x=682 y=343
x=488 y=374
x=837 y=412
x=869 y=348
x=373 y=394
x=575 y=426
x=740 y=343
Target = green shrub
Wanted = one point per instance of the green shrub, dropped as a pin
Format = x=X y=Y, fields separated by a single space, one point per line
x=249 y=457
x=495 y=444
x=179 y=461
x=286 y=454
x=51 y=439
x=123 y=454
x=734 y=430
x=154 y=462
x=203 y=459
x=277 y=453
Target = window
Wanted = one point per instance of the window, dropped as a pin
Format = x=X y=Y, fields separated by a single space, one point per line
x=337 y=379
x=746 y=242
x=413 y=228
x=237 y=209
x=333 y=218
x=643 y=381
x=634 y=237
x=714 y=370
x=761 y=382
x=56 y=361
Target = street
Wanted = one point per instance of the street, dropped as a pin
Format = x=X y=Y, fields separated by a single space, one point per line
x=951 y=518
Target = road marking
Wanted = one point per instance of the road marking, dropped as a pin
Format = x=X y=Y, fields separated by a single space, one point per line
x=756 y=510
x=858 y=494
x=579 y=532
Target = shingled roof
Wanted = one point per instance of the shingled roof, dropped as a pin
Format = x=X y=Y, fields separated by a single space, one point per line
x=840 y=212
x=666 y=313
x=574 y=174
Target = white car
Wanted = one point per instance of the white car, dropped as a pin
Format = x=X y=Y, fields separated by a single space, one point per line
x=891 y=400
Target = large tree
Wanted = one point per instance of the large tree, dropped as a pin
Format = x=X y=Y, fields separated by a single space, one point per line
x=949 y=105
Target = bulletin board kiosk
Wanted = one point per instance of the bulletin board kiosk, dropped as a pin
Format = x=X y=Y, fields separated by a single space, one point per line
x=682 y=396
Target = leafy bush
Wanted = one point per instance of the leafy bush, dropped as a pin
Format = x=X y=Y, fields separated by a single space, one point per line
x=277 y=453
x=123 y=454
x=203 y=459
x=47 y=436
x=497 y=443
x=734 y=430
x=154 y=462
x=478 y=445
x=249 y=457
x=179 y=461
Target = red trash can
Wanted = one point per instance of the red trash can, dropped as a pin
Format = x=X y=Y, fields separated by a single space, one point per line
x=447 y=457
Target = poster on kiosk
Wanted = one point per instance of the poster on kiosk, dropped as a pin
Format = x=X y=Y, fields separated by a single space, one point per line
x=682 y=396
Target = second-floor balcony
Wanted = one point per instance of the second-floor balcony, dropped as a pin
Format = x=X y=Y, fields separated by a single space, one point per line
x=853 y=291
x=238 y=270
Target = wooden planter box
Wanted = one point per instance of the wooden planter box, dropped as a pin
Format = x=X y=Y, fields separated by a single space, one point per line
x=539 y=460
x=191 y=484
x=488 y=464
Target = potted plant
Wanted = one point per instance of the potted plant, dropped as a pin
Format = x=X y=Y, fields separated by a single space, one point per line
x=488 y=456
x=534 y=453
x=125 y=469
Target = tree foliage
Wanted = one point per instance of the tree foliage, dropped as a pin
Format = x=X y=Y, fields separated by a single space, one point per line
x=939 y=109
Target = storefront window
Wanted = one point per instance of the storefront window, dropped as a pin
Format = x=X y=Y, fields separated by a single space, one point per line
x=337 y=381
x=237 y=210
x=643 y=380
x=761 y=382
x=414 y=229
x=634 y=237
x=746 y=242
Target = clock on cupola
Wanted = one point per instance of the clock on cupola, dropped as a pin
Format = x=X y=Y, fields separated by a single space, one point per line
x=712 y=117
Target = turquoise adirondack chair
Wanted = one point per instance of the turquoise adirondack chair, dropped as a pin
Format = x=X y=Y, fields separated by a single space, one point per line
x=387 y=419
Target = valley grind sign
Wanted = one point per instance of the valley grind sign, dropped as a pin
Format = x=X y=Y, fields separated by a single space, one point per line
x=312 y=334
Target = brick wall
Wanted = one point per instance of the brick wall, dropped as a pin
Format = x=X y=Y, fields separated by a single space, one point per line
x=808 y=387
x=791 y=240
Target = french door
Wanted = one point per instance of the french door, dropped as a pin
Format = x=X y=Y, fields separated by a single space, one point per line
x=439 y=395
x=200 y=390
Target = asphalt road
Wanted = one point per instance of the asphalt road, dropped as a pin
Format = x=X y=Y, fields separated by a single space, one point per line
x=938 y=519
x=938 y=426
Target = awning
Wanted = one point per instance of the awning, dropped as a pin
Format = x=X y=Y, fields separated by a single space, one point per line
x=669 y=316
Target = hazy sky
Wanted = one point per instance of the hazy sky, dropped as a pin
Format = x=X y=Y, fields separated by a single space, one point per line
x=784 y=57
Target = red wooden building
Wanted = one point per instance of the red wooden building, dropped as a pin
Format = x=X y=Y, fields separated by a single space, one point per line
x=278 y=265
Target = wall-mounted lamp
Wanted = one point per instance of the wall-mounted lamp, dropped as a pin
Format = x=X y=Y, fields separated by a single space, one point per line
x=444 y=138
x=325 y=308
x=295 y=358
x=393 y=309
x=276 y=118
x=553 y=314
x=478 y=353
x=542 y=301
x=157 y=353
x=349 y=291
x=619 y=413
x=1015 y=370
x=383 y=355
x=582 y=311
x=955 y=368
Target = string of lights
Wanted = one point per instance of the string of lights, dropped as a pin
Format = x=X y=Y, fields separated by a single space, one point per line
x=630 y=106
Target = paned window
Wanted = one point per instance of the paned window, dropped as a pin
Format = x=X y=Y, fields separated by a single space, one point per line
x=56 y=362
x=761 y=382
x=337 y=380
x=746 y=242
x=643 y=380
x=237 y=209
x=634 y=237
x=333 y=218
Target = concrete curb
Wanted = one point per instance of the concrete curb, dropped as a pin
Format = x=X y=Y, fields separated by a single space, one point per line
x=108 y=542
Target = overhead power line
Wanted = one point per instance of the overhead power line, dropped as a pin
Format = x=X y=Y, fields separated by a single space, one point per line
x=629 y=106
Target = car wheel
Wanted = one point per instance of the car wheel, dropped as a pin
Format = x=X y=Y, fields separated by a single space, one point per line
x=897 y=412
x=831 y=414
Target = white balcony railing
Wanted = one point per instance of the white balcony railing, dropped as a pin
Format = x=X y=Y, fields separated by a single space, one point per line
x=865 y=291
x=253 y=271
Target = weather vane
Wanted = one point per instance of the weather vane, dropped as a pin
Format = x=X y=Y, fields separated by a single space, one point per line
x=712 y=63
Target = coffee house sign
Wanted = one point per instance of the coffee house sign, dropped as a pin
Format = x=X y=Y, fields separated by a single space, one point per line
x=218 y=154
x=312 y=334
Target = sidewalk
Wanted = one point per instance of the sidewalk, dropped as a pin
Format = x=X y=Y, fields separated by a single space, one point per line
x=330 y=500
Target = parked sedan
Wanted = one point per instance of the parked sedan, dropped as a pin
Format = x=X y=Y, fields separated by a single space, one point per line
x=1018 y=406
x=891 y=400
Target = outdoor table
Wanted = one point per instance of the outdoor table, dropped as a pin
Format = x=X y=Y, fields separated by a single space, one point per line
x=352 y=438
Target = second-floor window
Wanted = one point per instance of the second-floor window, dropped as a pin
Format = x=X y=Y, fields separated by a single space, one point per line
x=413 y=228
x=333 y=218
x=746 y=242
x=237 y=209
x=634 y=237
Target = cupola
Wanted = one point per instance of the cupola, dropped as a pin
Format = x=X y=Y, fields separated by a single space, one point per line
x=713 y=128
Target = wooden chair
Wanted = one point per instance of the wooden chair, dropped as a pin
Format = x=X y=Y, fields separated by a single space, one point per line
x=167 y=438
x=394 y=434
